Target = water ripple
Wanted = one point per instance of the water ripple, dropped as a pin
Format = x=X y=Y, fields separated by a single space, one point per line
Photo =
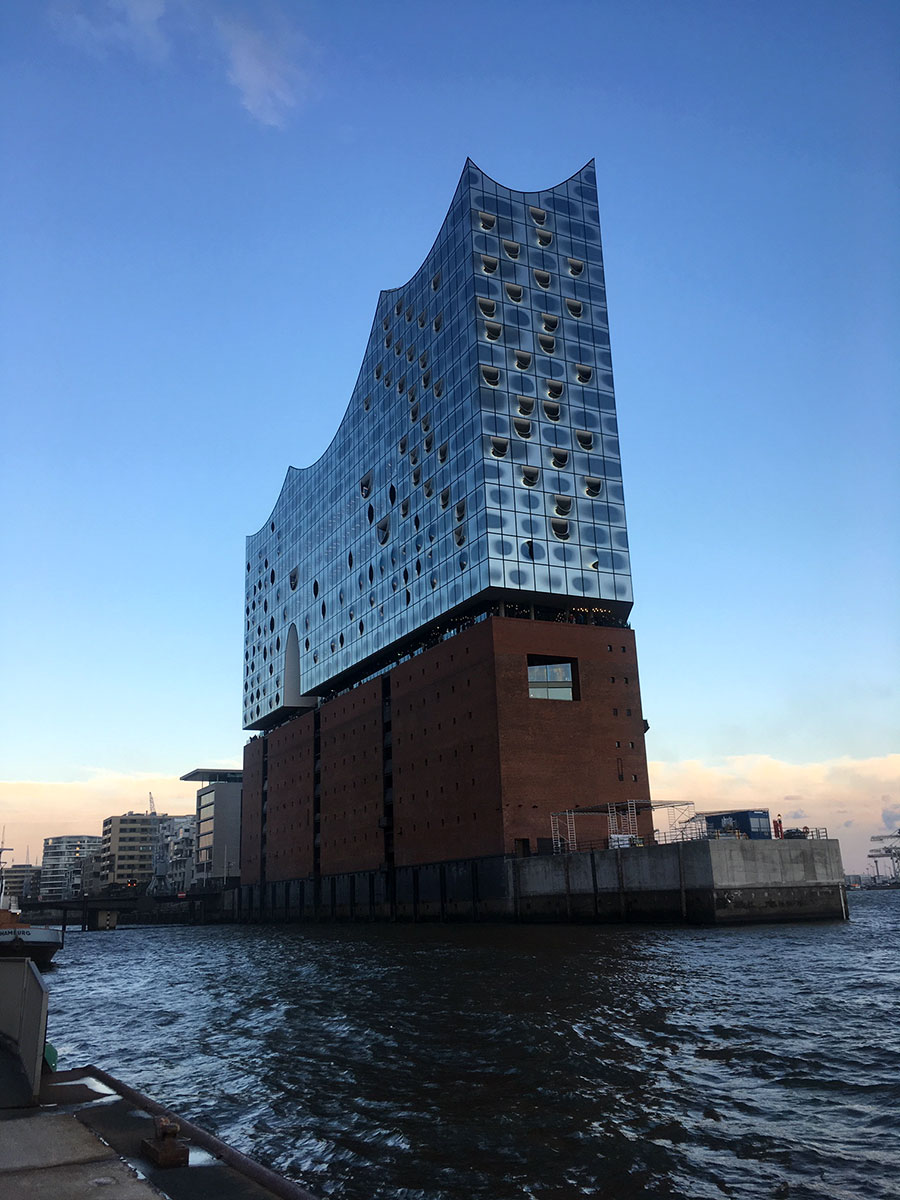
x=442 y=1062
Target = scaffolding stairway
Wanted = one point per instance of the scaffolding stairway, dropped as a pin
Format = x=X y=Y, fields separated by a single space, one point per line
x=623 y=822
x=564 y=839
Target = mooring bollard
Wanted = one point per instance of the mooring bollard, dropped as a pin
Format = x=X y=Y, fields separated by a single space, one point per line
x=165 y=1148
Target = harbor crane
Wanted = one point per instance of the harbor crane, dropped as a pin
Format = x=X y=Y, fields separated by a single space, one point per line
x=890 y=850
x=3 y=848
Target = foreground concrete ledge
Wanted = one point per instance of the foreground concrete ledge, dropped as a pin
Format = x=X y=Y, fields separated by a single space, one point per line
x=54 y=1157
x=47 y=1140
x=86 y=1140
x=111 y=1179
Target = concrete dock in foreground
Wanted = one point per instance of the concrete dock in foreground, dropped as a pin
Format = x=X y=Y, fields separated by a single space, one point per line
x=86 y=1138
x=53 y=1155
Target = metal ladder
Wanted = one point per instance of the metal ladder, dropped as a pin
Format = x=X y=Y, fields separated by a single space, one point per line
x=623 y=822
x=563 y=839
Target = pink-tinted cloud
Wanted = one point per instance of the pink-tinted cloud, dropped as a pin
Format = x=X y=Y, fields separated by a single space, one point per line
x=852 y=798
x=33 y=811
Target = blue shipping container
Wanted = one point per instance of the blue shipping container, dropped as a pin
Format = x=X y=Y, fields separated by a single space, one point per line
x=749 y=823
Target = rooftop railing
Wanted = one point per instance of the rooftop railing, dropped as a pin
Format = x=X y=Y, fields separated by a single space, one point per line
x=684 y=834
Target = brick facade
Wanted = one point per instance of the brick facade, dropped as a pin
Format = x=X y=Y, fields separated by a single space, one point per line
x=557 y=755
x=446 y=752
x=289 y=809
x=352 y=781
x=474 y=765
x=251 y=810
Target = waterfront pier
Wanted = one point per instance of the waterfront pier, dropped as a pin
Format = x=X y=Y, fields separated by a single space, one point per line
x=719 y=881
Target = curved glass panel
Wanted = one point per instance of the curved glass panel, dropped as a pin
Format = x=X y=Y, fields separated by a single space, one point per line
x=369 y=501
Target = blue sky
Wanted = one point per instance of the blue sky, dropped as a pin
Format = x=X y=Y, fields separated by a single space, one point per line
x=201 y=201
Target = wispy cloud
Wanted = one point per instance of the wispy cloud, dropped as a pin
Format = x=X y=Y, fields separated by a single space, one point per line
x=264 y=69
x=267 y=66
x=113 y=25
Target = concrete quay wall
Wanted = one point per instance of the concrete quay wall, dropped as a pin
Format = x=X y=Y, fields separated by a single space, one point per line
x=720 y=881
x=705 y=882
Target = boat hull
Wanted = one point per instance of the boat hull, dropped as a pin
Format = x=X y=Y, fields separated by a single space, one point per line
x=37 y=944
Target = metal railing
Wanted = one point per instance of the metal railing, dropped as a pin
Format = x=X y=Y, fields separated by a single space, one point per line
x=673 y=836
x=689 y=833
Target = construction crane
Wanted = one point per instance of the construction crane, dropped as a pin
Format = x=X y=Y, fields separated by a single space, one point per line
x=890 y=851
x=4 y=849
x=152 y=804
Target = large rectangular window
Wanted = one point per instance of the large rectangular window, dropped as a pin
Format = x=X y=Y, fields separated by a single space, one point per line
x=552 y=678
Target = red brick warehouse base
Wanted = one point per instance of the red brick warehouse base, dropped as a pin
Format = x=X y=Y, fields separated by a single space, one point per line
x=451 y=754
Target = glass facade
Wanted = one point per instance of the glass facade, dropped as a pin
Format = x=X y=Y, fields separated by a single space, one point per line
x=478 y=456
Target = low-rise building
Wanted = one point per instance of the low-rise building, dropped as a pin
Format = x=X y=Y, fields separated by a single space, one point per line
x=63 y=862
x=92 y=875
x=131 y=848
x=218 y=850
x=20 y=881
x=176 y=847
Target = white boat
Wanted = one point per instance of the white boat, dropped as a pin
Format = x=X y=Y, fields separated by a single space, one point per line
x=18 y=940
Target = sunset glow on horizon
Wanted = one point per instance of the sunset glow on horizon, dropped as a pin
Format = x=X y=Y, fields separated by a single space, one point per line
x=204 y=201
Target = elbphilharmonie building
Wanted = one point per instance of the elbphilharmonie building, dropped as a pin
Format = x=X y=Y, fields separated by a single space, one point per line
x=470 y=505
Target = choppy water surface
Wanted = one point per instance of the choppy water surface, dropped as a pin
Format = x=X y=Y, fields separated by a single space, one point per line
x=439 y=1062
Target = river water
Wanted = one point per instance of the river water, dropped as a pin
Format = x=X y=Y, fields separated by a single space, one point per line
x=443 y=1062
